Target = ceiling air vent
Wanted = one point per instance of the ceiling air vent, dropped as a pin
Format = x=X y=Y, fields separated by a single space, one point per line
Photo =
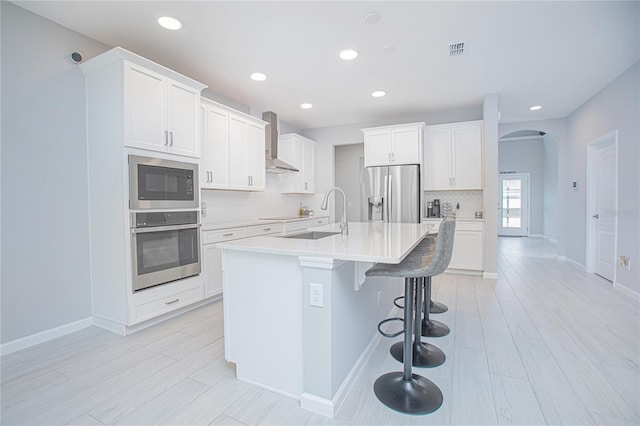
x=456 y=49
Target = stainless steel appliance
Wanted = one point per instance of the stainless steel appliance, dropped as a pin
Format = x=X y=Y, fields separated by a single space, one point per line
x=165 y=247
x=391 y=194
x=155 y=183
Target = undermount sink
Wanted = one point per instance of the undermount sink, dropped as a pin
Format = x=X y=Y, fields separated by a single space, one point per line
x=312 y=235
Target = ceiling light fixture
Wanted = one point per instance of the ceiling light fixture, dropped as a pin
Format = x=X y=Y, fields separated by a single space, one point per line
x=306 y=106
x=169 y=22
x=258 y=76
x=378 y=93
x=535 y=108
x=348 y=54
x=371 y=17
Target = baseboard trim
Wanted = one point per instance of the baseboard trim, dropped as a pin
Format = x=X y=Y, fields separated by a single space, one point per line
x=573 y=262
x=490 y=275
x=627 y=292
x=44 y=336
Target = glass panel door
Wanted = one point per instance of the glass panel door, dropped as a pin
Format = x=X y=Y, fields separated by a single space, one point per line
x=514 y=205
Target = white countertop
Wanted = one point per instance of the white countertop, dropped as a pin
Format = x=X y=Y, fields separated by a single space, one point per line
x=366 y=242
x=261 y=221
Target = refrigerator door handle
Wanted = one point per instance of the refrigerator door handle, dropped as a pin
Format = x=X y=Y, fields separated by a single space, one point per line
x=390 y=197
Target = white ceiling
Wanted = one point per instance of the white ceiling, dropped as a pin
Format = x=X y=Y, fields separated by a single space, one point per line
x=555 y=54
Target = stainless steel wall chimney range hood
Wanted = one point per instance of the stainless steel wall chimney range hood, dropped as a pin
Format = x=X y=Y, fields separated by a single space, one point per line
x=273 y=164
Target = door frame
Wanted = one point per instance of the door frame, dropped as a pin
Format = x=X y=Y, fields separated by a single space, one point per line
x=527 y=175
x=610 y=138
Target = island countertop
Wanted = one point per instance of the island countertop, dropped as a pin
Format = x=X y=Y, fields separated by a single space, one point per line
x=366 y=242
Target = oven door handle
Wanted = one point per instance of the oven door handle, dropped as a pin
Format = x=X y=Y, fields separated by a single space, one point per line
x=163 y=228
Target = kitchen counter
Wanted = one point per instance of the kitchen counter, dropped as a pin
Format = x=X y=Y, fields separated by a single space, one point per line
x=300 y=315
x=366 y=242
x=261 y=221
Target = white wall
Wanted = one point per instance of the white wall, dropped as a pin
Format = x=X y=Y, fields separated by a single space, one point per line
x=490 y=110
x=45 y=229
x=550 y=190
x=527 y=156
x=348 y=177
x=617 y=106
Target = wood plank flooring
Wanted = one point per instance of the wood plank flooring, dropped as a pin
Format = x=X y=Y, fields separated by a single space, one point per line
x=545 y=343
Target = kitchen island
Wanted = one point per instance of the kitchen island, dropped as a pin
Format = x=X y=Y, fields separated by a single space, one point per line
x=299 y=316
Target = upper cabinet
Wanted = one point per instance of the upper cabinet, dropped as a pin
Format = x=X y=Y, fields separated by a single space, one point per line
x=159 y=107
x=161 y=114
x=453 y=156
x=300 y=153
x=233 y=149
x=393 y=145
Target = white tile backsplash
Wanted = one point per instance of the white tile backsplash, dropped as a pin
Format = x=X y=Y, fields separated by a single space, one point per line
x=470 y=201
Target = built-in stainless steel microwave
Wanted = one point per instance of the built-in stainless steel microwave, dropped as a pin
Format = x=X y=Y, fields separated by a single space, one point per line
x=156 y=183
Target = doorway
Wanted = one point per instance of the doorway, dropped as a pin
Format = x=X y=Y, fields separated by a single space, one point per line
x=602 y=203
x=514 y=205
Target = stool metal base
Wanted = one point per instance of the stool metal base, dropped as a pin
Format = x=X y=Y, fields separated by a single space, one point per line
x=438 y=308
x=415 y=396
x=425 y=355
x=432 y=328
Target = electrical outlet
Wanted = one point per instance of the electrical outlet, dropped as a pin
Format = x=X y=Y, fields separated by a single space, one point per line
x=203 y=209
x=625 y=262
x=316 y=298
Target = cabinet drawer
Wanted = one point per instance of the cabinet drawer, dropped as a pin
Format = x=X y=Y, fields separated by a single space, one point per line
x=272 y=228
x=469 y=226
x=149 y=309
x=320 y=221
x=298 y=225
x=219 y=235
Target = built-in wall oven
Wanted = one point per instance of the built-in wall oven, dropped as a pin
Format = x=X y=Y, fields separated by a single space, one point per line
x=165 y=247
x=156 y=183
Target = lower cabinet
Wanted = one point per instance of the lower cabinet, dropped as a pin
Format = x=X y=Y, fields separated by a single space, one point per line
x=468 y=245
x=212 y=255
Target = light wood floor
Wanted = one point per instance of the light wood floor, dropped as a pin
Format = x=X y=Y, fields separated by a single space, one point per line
x=544 y=344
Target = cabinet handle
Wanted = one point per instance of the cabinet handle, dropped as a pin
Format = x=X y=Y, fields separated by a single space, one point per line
x=230 y=234
x=172 y=302
x=306 y=186
x=267 y=229
x=166 y=137
x=211 y=176
x=171 y=138
x=389 y=156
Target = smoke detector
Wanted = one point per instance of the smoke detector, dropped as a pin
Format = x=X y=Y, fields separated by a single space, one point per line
x=456 y=49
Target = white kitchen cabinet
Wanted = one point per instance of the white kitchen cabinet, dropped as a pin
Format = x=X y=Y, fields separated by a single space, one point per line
x=453 y=156
x=161 y=114
x=134 y=107
x=300 y=153
x=393 y=145
x=214 y=171
x=468 y=245
x=246 y=153
x=233 y=151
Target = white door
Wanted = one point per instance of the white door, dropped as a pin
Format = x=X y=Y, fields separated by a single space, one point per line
x=182 y=111
x=604 y=202
x=514 y=205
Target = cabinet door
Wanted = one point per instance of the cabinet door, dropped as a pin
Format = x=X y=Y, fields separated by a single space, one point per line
x=144 y=109
x=377 y=148
x=182 y=111
x=467 y=157
x=255 y=157
x=309 y=168
x=238 y=177
x=205 y=161
x=467 y=251
x=217 y=150
x=406 y=146
x=437 y=159
x=290 y=151
x=212 y=270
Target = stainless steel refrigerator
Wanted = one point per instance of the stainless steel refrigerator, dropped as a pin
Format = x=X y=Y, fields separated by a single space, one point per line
x=390 y=194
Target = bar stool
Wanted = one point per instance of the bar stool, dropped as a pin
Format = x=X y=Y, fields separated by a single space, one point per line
x=404 y=391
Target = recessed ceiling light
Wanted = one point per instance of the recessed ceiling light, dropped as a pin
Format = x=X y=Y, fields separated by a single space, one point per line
x=169 y=22
x=348 y=54
x=258 y=76
x=535 y=107
x=378 y=93
x=306 y=106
